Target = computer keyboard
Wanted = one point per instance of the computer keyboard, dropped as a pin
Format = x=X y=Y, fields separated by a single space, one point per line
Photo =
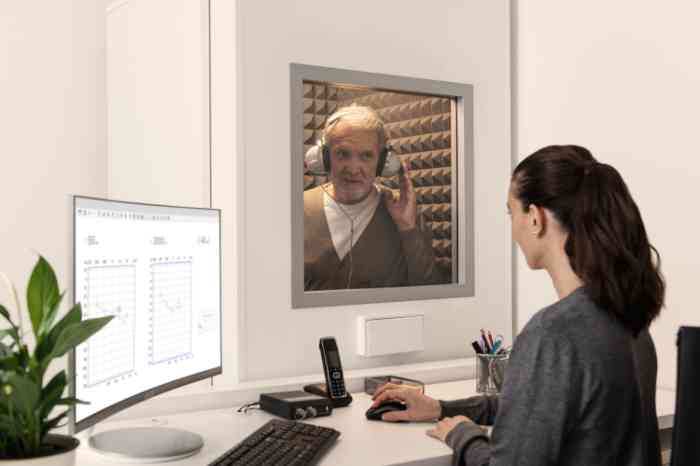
x=280 y=443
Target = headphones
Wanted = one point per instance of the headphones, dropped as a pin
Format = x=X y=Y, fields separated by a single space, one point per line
x=317 y=160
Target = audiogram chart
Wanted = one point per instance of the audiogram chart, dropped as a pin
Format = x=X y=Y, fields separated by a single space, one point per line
x=171 y=309
x=110 y=290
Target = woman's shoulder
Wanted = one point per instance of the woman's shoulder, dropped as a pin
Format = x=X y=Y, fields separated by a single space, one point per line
x=576 y=321
x=559 y=315
x=571 y=317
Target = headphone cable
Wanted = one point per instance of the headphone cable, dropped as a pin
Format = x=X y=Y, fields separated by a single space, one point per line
x=352 y=233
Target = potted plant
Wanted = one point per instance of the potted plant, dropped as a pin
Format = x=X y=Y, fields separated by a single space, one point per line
x=30 y=408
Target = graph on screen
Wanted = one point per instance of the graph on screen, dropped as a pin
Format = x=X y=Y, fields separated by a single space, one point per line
x=170 y=309
x=157 y=270
x=110 y=290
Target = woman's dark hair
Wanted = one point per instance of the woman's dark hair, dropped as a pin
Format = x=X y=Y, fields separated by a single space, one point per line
x=607 y=243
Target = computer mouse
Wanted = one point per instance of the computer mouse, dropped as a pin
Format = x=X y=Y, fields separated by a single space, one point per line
x=375 y=414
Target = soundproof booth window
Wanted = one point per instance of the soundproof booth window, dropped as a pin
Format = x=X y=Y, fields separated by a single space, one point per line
x=385 y=187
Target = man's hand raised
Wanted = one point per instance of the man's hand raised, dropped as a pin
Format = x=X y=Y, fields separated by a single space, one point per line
x=403 y=208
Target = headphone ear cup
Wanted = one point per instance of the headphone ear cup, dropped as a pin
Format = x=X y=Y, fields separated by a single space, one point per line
x=314 y=163
x=389 y=163
x=381 y=163
x=325 y=150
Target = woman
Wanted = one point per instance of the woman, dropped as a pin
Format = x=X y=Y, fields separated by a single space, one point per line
x=581 y=382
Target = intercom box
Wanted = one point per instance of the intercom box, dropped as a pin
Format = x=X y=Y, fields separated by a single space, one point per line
x=295 y=405
x=390 y=334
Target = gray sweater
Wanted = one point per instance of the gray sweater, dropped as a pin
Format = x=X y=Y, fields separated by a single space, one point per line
x=579 y=390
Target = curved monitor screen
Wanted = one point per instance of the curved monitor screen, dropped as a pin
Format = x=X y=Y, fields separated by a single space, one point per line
x=156 y=269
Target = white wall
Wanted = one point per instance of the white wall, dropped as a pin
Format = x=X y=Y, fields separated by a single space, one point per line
x=158 y=101
x=157 y=73
x=224 y=163
x=451 y=40
x=52 y=127
x=620 y=78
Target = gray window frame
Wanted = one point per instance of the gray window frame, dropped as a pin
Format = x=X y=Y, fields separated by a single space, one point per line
x=462 y=199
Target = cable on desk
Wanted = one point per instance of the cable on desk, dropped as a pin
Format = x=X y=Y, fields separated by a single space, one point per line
x=244 y=409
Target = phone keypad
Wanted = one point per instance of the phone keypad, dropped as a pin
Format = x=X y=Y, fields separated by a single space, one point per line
x=337 y=384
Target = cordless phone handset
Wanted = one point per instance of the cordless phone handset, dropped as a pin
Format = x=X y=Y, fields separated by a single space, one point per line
x=332 y=369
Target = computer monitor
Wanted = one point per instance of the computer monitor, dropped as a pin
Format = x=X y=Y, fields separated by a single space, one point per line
x=157 y=270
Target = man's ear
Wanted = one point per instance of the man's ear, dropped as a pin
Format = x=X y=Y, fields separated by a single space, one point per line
x=536 y=220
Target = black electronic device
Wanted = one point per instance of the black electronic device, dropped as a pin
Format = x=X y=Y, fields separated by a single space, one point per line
x=686 y=437
x=295 y=405
x=334 y=388
x=375 y=414
x=321 y=389
x=280 y=442
x=332 y=369
x=333 y=372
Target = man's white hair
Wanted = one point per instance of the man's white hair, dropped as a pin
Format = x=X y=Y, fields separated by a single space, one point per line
x=358 y=116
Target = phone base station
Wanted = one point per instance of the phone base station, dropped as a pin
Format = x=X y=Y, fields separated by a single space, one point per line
x=321 y=390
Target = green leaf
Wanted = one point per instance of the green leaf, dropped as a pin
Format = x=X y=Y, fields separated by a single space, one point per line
x=42 y=293
x=6 y=314
x=8 y=424
x=5 y=351
x=50 y=316
x=70 y=401
x=75 y=334
x=73 y=316
x=25 y=393
x=51 y=423
x=18 y=361
x=51 y=394
x=46 y=345
x=57 y=383
x=23 y=356
x=9 y=364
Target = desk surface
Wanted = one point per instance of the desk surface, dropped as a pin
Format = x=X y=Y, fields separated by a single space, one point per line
x=361 y=441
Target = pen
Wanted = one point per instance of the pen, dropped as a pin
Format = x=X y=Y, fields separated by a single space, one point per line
x=477 y=348
x=487 y=349
x=490 y=338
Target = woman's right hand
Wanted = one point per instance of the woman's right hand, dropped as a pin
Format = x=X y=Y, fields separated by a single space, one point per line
x=419 y=407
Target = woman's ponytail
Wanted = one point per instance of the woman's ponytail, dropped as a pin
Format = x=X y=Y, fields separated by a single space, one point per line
x=607 y=243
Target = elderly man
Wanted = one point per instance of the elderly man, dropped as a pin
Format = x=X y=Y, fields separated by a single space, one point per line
x=356 y=234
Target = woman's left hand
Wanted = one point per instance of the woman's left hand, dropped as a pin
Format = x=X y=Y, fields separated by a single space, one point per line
x=445 y=426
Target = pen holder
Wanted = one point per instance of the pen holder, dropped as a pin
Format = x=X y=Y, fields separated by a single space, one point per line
x=490 y=372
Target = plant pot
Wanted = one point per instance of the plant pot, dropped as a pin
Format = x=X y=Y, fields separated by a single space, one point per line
x=65 y=447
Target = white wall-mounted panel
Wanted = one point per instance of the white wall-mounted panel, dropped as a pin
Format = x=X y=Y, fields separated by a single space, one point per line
x=620 y=78
x=453 y=41
x=378 y=336
x=158 y=101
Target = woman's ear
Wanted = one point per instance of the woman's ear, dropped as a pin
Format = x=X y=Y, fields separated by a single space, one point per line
x=536 y=220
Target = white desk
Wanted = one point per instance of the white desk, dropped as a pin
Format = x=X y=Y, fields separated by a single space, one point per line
x=361 y=442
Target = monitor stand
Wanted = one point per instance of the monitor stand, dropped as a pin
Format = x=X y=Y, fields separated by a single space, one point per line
x=146 y=444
